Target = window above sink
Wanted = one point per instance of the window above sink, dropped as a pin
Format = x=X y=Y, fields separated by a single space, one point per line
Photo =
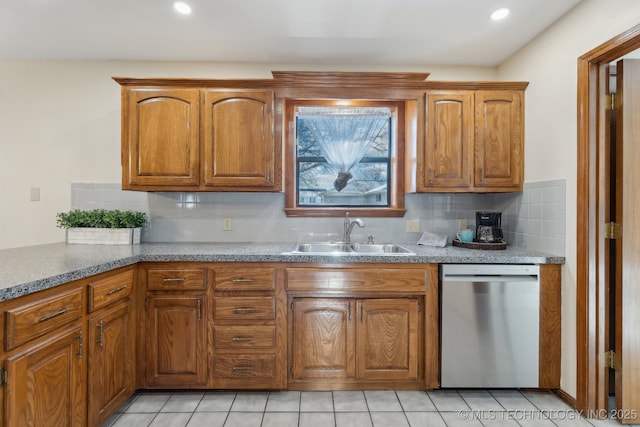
x=343 y=155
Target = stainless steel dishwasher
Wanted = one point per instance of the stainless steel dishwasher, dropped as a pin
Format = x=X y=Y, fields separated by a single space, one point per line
x=490 y=325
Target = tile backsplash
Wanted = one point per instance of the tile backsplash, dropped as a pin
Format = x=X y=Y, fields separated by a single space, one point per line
x=534 y=219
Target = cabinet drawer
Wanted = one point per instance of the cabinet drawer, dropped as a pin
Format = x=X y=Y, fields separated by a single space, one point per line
x=176 y=279
x=340 y=279
x=245 y=279
x=244 y=365
x=244 y=337
x=238 y=308
x=110 y=289
x=30 y=321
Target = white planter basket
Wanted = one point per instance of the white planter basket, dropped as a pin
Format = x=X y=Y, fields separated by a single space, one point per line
x=104 y=236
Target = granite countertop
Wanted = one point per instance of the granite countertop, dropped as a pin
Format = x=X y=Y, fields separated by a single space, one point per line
x=33 y=268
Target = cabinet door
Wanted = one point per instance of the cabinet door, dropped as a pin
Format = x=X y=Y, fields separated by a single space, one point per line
x=323 y=338
x=387 y=339
x=46 y=383
x=499 y=140
x=160 y=138
x=111 y=348
x=448 y=148
x=176 y=340
x=238 y=139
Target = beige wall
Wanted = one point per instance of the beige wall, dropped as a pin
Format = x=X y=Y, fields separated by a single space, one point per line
x=549 y=63
x=60 y=123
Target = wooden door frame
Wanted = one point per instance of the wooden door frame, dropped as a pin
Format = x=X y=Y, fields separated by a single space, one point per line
x=591 y=321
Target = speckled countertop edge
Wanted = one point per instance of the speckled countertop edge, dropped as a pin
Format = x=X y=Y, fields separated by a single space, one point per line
x=34 y=268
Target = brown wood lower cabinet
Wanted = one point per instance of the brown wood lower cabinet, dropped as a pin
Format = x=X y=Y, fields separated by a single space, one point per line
x=323 y=338
x=111 y=343
x=111 y=351
x=387 y=339
x=46 y=386
x=73 y=354
x=176 y=341
x=249 y=347
x=356 y=341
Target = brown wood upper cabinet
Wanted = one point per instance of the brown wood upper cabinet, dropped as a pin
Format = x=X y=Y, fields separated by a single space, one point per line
x=177 y=138
x=238 y=138
x=160 y=138
x=227 y=135
x=473 y=141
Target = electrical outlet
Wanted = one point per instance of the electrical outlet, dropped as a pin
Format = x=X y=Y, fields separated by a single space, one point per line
x=462 y=224
x=226 y=224
x=412 y=226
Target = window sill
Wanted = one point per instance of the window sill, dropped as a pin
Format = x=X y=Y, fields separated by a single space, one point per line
x=327 y=212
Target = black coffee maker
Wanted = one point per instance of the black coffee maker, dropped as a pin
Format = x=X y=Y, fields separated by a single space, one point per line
x=488 y=227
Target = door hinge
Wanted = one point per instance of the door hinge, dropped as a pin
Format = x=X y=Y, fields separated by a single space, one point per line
x=4 y=377
x=611 y=360
x=612 y=230
x=610 y=101
x=79 y=353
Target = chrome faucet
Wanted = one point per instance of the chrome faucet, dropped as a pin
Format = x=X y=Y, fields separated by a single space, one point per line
x=348 y=227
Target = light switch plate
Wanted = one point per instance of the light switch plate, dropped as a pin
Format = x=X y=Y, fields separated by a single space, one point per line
x=35 y=194
x=462 y=224
x=412 y=226
x=226 y=224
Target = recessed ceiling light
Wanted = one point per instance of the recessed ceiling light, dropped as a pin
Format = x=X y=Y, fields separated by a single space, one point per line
x=499 y=14
x=182 y=7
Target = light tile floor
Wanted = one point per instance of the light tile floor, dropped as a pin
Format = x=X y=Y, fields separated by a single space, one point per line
x=386 y=408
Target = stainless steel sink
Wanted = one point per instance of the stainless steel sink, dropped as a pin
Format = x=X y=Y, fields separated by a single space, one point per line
x=341 y=249
x=324 y=248
x=381 y=248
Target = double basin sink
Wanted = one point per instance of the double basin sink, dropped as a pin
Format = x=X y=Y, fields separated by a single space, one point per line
x=349 y=249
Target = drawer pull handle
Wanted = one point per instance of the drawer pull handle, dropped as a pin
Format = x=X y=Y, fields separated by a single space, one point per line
x=242 y=339
x=242 y=280
x=113 y=291
x=243 y=368
x=56 y=314
x=242 y=310
x=173 y=279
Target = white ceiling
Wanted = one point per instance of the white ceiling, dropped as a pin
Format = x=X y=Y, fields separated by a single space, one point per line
x=385 y=32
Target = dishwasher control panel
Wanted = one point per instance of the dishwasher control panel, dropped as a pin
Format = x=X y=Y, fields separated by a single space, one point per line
x=490 y=269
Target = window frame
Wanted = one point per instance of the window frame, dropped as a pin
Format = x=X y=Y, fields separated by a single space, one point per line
x=396 y=163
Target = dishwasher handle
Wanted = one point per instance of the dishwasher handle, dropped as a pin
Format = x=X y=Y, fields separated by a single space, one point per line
x=489 y=278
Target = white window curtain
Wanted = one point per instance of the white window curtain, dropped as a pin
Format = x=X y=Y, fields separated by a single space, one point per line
x=344 y=134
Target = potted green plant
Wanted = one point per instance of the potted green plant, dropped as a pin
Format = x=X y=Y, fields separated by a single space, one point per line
x=101 y=226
